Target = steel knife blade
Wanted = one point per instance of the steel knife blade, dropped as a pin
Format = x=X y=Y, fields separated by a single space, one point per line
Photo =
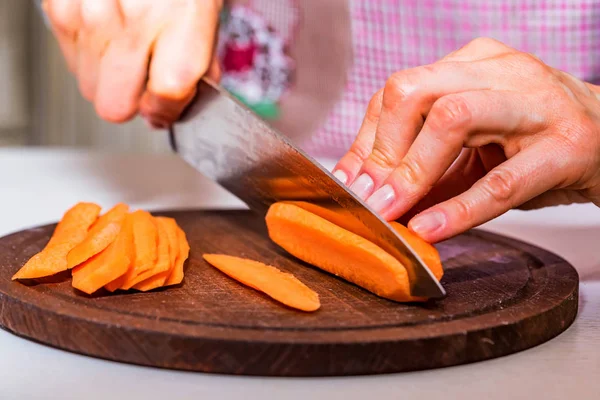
x=228 y=143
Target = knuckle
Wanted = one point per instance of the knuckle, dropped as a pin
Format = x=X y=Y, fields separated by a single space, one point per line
x=399 y=88
x=359 y=151
x=95 y=14
x=484 y=41
x=500 y=185
x=410 y=171
x=532 y=65
x=462 y=210
x=449 y=113
x=63 y=15
x=384 y=156
x=374 y=108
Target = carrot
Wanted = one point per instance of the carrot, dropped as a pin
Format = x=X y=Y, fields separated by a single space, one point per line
x=341 y=252
x=426 y=251
x=70 y=231
x=100 y=235
x=176 y=276
x=338 y=216
x=162 y=261
x=157 y=280
x=145 y=238
x=115 y=284
x=344 y=219
x=109 y=264
x=281 y=286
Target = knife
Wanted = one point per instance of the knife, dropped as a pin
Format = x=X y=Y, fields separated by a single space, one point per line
x=227 y=142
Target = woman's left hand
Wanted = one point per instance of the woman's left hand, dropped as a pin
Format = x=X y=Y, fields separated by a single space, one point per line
x=482 y=131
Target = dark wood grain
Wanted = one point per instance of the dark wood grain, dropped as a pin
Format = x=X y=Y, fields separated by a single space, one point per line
x=504 y=296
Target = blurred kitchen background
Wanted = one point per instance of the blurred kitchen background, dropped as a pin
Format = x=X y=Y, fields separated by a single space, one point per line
x=39 y=101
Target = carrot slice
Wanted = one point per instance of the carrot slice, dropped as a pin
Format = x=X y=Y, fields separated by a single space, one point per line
x=109 y=264
x=159 y=279
x=115 y=284
x=70 y=231
x=176 y=276
x=341 y=252
x=162 y=261
x=344 y=219
x=338 y=216
x=101 y=234
x=145 y=238
x=281 y=286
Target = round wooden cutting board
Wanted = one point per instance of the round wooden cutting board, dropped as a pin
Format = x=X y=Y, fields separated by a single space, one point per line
x=503 y=296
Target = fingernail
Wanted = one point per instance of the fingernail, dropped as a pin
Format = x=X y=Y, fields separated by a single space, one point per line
x=362 y=186
x=341 y=176
x=426 y=223
x=382 y=198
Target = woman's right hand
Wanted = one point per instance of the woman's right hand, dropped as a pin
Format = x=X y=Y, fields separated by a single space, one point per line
x=137 y=56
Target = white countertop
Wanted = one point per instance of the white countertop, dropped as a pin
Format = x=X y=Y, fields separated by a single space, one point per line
x=38 y=185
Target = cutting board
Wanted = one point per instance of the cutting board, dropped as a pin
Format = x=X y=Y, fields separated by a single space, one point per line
x=504 y=296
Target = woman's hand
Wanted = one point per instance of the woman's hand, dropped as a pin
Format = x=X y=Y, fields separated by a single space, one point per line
x=484 y=130
x=137 y=56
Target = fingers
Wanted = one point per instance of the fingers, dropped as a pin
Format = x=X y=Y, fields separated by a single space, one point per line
x=183 y=53
x=122 y=76
x=65 y=20
x=100 y=21
x=349 y=165
x=469 y=119
x=528 y=174
x=407 y=99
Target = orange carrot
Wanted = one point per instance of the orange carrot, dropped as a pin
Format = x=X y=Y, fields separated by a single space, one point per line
x=338 y=216
x=281 y=286
x=344 y=219
x=115 y=284
x=176 y=276
x=341 y=252
x=426 y=251
x=145 y=238
x=100 y=235
x=70 y=231
x=159 y=279
x=162 y=261
x=109 y=264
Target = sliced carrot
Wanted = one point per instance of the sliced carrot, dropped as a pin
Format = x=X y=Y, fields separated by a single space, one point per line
x=162 y=260
x=341 y=252
x=176 y=276
x=100 y=235
x=281 y=286
x=109 y=264
x=158 y=280
x=339 y=216
x=145 y=238
x=115 y=284
x=171 y=227
x=70 y=231
x=344 y=219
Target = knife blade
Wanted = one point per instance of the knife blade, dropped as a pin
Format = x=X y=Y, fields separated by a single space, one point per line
x=228 y=143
